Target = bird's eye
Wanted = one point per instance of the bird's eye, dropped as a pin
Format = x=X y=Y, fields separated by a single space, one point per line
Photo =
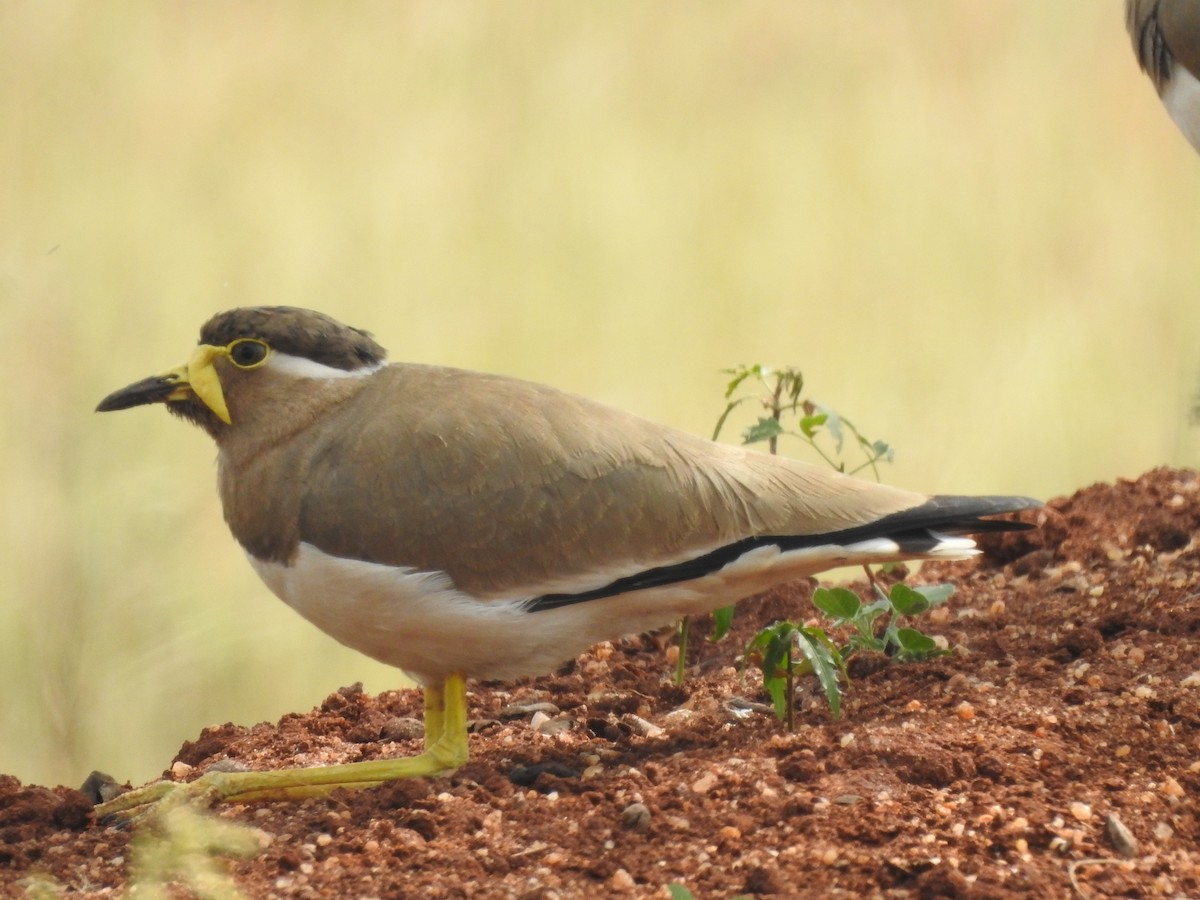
x=248 y=353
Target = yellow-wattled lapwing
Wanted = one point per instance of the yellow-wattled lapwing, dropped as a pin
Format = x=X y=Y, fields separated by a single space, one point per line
x=1166 y=39
x=462 y=525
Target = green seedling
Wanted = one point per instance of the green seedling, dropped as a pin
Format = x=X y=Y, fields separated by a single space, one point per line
x=817 y=425
x=846 y=610
x=779 y=393
x=785 y=651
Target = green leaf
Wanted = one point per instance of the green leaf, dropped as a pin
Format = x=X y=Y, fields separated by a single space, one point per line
x=722 y=621
x=740 y=374
x=936 y=594
x=833 y=424
x=913 y=645
x=777 y=645
x=791 y=382
x=906 y=601
x=762 y=640
x=915 y=641
x=875 y=609
x=679 y=892
x=774 y=644
x=809 y=425
x=838 y=602
x=864 y=622
x=865 y=642
x=826 y=662
x=883 y=450
x=776 y=687
x=765 y=429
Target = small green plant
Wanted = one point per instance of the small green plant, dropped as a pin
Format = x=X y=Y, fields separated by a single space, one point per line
x=779 y=393
x=780 y=396
x=775 y=649
x=786 y=651
x=845 y=609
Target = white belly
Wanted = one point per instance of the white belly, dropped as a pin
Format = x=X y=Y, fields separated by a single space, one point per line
x=420 y=623
x=1182 y=99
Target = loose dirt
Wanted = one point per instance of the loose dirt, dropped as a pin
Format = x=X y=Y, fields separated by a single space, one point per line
x=1072 y=703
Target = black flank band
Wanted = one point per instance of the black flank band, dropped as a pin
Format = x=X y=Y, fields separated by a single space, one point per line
x=910 y=529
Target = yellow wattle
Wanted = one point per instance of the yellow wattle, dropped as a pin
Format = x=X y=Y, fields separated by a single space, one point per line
x=199 y=376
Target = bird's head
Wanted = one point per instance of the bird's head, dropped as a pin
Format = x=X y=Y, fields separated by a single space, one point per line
x=249 y=352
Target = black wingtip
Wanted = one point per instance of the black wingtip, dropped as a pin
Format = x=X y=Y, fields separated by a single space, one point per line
x=950 y=514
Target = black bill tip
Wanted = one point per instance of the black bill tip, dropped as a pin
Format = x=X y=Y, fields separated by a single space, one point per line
x=148 y=390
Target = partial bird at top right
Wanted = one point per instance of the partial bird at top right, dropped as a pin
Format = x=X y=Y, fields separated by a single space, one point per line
x=1166 y=39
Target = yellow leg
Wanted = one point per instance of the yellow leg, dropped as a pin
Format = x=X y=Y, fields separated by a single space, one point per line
x=435 y=713
x=445 y=750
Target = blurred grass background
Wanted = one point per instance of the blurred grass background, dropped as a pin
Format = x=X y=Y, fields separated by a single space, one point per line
x=972 y=226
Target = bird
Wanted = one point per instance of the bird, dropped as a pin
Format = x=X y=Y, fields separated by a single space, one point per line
x=462 y=525
x=1166 y=41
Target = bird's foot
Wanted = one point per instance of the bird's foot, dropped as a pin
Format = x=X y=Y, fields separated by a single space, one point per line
x=445 y=750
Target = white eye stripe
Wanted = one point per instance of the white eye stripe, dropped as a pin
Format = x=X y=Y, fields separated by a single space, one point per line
x=300 y=367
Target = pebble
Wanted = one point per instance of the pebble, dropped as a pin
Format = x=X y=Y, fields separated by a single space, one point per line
x=622 y=881
x=1171 y=787
x=1120 y=836
x=704 y=783
x=1020 y=823
x=520 y=710
x=640 y=725
x=1081 y=811
x=635 y=815
x=179 y=770
x=965 y=711
x=402 y=728
x=552 y=726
